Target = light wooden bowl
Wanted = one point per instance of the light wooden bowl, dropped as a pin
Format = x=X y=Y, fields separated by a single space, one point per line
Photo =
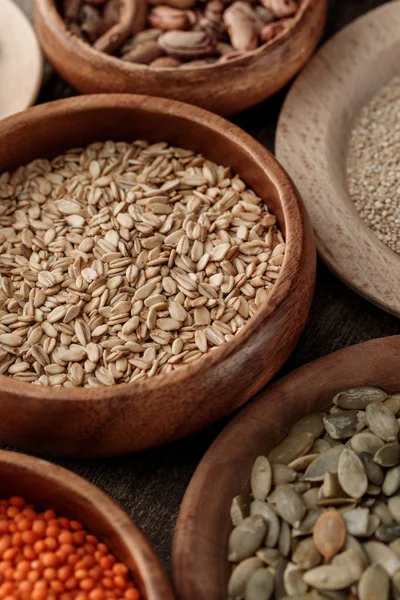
x=21 y=64
x=130 y=417
x=225 y=89
x=200 y=565
x=48 y=486
x=312 y=139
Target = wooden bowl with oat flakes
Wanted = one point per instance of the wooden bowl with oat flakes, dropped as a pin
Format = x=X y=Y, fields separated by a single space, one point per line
x=200 y=546
x=224 y=88
x=115 y=419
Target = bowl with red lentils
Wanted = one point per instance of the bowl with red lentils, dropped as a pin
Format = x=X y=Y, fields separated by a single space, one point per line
x=63 y=539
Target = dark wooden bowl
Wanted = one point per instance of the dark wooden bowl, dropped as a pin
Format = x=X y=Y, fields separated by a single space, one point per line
x=200 y=563
x=48 y=486
x=130 y=417
x=226 y=88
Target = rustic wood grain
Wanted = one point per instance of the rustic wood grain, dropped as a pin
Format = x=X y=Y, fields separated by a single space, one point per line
x=48 y=486
x=312 y=140
x=130 y=417
x=150 y=485
x=200 y=565
x=224 y=88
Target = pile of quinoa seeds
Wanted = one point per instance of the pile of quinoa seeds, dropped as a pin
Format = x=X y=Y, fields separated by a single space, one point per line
x=373 y=164
x=322 y=518
x=122 y=261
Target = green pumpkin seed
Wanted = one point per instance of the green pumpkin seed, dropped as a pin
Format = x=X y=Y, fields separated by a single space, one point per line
x=343 y=425
x=261 y=478
x=246 y=538
x=293 y=580
x=393 y=507
x=382 y=555
x=326 y=462
x=270 y=556
x=290 y=504
x=391 y=483
x=382 y=422
x=263 y=509
x=351 y=474
x=388 y=455
x=240 y=577
x=388 y=533
x=282 y=474
x=366 y=442
x=260 y=586
x=240 y=508
x=374 y=584
x=290 y=448
x=359 y=397
x=312 y=423
x=306 y=555
x=373 y=471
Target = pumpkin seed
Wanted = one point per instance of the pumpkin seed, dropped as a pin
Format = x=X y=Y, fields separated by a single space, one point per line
x=312 y=423
x=301 y=463
x=326 y=462
x=373 y=471
x=290 y=448
x=282 y=474
x=306 y=555
x=393 y=507
x=359 y=397
x=382 y=510
x=261 y=478
x=311 y=497
x=257 y=507
x=329 y=533
x=388 y=533
x=382 y=422
x=307 y=525
x=240 y=577
x=293 y=580
x=382 y=555
x=356 y=521
x=395 y=547
x=246 y=538
x=329 y=577
x=290 y=504
x=351 y=474
x=344 y=424
x=373 y=524
x=240 y=508
x=374 y=584
x=284 y=541
x=388 y=455
x=270 y=556
x=331 y=487
x=366 y=442
x=260 y=585
x=393 y=404
x=350 y=560
x=391 y=483
x=352 y=543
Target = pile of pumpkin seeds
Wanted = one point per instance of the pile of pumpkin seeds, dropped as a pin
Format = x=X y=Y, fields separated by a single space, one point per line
x=322 y=520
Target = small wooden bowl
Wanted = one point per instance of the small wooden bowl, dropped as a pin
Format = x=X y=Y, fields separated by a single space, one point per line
x=130 y=417
x=225 y=88
x=48 y=486
x=21 y=63
x=200 y=565
x=312 y=139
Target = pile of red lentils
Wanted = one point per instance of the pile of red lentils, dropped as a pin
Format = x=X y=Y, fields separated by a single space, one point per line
x=45 y=557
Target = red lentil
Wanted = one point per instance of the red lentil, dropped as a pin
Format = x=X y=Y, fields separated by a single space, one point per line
x=45 y=557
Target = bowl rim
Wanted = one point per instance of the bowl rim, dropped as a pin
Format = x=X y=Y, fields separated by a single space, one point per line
x=52 y=17
x=136 y=542
x=293 y=214
x=366 y=52
x=263 y=423
x=36 y=57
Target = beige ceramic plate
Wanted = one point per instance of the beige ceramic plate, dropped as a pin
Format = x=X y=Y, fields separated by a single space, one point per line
x=312 y=141
x=20 y=61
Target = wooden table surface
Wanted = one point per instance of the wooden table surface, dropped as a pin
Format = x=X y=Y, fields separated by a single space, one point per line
x=150 y=486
